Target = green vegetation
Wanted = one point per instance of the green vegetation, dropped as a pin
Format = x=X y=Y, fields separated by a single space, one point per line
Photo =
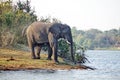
x=96 y=39
x=64 y=52
x=12 y=21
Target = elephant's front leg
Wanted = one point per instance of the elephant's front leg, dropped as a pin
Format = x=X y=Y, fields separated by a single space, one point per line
x=53 y=44
x=49 y=53
x=54 y=49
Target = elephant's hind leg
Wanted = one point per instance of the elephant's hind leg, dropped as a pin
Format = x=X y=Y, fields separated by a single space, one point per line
x=33 y=56
x=33 y=52
x=38 y=50
x=31 y=46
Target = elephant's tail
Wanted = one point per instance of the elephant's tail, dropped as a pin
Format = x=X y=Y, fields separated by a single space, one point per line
x=24 y=31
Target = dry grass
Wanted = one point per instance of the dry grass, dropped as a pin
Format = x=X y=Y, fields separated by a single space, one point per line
x=16 y=60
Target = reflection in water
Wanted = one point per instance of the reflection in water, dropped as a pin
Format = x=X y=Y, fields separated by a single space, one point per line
x=106 y=62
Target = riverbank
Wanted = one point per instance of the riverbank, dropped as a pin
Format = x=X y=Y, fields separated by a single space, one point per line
x=11 y=59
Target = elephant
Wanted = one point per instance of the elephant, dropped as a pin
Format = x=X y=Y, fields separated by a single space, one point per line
x=40 y=33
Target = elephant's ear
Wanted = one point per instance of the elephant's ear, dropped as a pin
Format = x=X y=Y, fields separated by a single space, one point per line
x=65 y=28
x=55 y=29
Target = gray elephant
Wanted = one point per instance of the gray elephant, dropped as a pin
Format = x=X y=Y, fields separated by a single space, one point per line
x=40 y=33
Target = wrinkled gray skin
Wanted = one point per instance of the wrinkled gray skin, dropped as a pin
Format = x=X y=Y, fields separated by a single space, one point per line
x=39 y=33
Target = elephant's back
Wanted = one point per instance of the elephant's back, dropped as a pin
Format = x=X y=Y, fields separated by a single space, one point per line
x=39 y=26
x=38 y=31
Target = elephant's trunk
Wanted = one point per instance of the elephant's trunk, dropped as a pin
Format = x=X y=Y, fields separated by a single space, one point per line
x=70 y=41
x=72 y=53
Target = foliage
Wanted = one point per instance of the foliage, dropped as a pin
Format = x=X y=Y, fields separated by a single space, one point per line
x=96 y=39
x=64 y=52
x=12 y=21
x=48 y=19
x=63 y=49
x=80 y=56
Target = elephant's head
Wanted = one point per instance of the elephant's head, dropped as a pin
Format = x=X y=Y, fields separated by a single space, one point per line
x=59 y=30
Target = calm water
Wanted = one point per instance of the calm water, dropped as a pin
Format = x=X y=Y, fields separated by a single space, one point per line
x=106 y=62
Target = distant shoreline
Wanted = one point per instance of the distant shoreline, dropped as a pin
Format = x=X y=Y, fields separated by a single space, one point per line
x=107 y=49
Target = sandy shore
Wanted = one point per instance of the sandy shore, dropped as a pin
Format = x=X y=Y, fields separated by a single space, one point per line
x=11 y=59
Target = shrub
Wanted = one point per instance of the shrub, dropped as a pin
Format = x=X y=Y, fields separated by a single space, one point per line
x=80 y=56
x=6 y=38
x=12 y=21
x=64 y=52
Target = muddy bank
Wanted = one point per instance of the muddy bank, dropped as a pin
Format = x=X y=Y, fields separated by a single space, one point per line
x=47 y=68
x=20 y=60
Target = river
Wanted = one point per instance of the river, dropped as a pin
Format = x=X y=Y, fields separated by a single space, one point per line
x=107 y=64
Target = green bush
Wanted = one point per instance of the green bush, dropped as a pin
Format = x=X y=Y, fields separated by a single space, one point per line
x=80 y=56
x=64 y=52
x=63 y=49
x=12 y=21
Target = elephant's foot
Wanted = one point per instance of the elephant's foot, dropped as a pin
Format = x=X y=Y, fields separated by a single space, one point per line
x=33 y=57
x=74 y=62
x=57 y=62
x=49 y=58
x=38 y=57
